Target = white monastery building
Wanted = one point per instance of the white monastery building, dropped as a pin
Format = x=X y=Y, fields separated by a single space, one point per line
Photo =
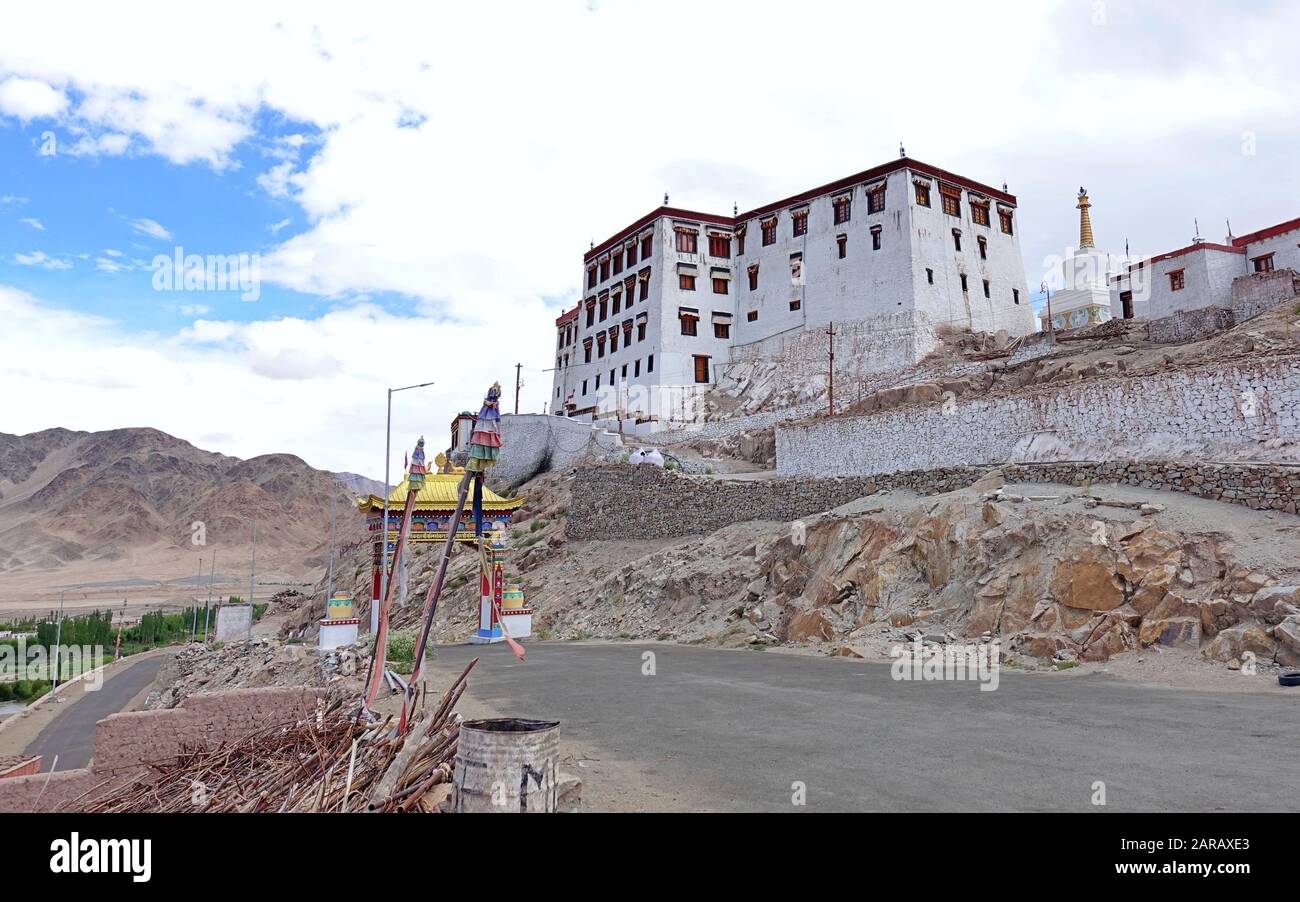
x=675 y=295
x=1256 y=267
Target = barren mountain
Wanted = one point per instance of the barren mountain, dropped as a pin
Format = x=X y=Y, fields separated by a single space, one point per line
x=140 y=507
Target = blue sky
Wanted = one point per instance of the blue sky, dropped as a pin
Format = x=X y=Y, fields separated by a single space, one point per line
x=420 y=181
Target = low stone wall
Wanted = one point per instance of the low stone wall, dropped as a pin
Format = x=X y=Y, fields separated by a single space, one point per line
x=1251 y=295
x=643 y=502
x=1190 y=325
x=125 y=743
x=1199 y=413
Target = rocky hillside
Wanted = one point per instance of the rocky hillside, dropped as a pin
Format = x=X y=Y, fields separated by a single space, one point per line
x=74 y=497
x=1057 y=574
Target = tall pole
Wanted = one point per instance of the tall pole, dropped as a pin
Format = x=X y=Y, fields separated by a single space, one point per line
x=1051 y=330
x=208 y=607
x=58 y=640
x=830 y=334
x=519 y=381
x=252 y=571
x=383 y=534
x=194 y=622
x=329 y=579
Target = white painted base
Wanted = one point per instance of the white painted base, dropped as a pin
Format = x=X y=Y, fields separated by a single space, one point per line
x=338 y=633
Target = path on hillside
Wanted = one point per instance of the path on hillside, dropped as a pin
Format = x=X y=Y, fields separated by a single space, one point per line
x=71 y=734
x=734 y=730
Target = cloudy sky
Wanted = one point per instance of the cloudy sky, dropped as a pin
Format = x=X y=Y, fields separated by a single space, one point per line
x=419 y=182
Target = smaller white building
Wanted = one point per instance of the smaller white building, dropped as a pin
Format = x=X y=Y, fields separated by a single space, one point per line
x=1203 y=274
x=1084 y=299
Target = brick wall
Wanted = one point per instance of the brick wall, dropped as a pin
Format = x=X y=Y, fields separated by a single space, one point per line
x=126 y=742
x=643 y=502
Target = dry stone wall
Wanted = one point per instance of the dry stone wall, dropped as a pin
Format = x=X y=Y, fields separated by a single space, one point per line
x=1193 y=413
x=643 y=502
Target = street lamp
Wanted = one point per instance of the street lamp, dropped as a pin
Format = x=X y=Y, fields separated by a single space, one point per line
x=1051 y=332
x=388 y=454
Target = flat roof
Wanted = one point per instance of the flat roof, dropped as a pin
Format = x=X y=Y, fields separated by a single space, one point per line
x=1271 y=232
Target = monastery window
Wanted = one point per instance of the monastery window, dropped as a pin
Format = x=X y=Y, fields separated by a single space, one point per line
x=586 y=350
x=617 y=302
x=636 y=368
x=613 y=340
x=687 y=240
x=1263 y=264
x=1015 y=295
x=751 y=316
x=629 y=291
x=979 y=212
x=690 y=321
x=604 y=308
x=922 y=194
x=799 y=223
x=618 y=263
x=650 y=364
x=640 y=330
x=956 y=240
x=876 y=199
x=584 y=386
x=600 y=345
x=875 y=238
x=1176 y=280
x=719 y=285
x=721 y=329
x=604 y=269
x=701 y=368
x=986 y=288
x=597 y=382
x=842 y=242
x=557 y=391
x=929 y=276
x=963 y=282
x=647 y=245
x=631 y=255
x=984 y=247
x=612 y=381
x=623 y=372
x=951 y=200
x=644 y=276
x=769 y=231
x=753 y=277
x=795 y=303
x=1004 y=220
x=843 y=206
x=591 y=276
x=685 y=282
x=719 y=245
x=740 y=241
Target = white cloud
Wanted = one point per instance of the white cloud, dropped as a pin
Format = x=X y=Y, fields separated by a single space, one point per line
x=151 y=228
x=194 y=309
x=110 y=252
x=277 y=227
x=311 y=387
x=33 y=222
x=276 y=181
x=28 y=98
x=41 y=259
x=112 y=265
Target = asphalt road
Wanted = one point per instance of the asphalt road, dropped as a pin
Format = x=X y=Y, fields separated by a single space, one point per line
x=71 y=735
x=735 y=730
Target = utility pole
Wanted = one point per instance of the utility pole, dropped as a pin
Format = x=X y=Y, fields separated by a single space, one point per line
x=207 y=607
x=194 y=621
x=519 y=382
x=58 y=640
x=252 y=571
x=830 y=335
x=1051 y=330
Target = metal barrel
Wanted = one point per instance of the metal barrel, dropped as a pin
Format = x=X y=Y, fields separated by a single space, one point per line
x=507 y=764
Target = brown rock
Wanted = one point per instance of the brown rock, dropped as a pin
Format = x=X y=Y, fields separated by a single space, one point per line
x=809 y=625
x=1276 y=603
x=1287 y=634
x=1235 y=641
x=1087 y=580
x=1175 y=631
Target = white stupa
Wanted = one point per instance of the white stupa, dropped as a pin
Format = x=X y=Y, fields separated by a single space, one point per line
x=1085 y=298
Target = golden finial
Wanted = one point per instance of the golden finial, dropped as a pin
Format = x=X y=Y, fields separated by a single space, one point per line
x=1085 y=221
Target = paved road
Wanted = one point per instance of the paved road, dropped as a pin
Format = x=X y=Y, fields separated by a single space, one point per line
x=736 y=729
x=71 y=735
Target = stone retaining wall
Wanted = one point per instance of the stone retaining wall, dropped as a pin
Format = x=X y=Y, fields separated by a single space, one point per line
x=1202 y=413
x=124 y=743
x=643 y=502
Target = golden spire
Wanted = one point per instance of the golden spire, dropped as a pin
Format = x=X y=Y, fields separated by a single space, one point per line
x=1085 y=222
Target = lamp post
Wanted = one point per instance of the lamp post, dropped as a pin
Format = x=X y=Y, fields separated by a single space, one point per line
x=388 y=453
x=1051 y=332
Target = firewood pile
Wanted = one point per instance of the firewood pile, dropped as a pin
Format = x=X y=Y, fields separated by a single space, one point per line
x=335 y=760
